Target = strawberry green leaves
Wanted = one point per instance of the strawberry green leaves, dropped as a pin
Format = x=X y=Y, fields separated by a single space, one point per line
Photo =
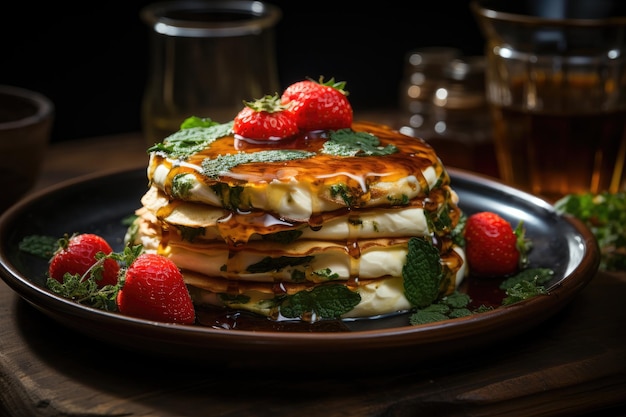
x=318 y=105
x=265 y=119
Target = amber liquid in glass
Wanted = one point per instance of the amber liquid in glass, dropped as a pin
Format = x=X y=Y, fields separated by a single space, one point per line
x=553 y=153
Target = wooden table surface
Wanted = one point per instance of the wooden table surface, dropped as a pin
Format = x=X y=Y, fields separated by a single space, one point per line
x=572 y=364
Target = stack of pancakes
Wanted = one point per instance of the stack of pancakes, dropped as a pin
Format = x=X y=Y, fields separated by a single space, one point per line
x=317 y=226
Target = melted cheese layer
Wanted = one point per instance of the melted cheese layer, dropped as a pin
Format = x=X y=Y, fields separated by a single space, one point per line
x=378 y=296
x=221 y=224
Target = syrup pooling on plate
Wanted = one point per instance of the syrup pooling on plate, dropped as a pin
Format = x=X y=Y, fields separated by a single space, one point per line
x=251 y=228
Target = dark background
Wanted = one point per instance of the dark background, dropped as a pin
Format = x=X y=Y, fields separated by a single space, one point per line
x=92 y=59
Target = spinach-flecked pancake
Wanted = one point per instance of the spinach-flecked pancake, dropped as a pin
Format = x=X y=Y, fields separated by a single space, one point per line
x=354 y=222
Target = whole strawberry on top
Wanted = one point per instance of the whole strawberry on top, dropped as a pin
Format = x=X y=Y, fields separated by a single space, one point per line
x=319 y=105
x=77 y=254
x=493 y=248
x=265 y=119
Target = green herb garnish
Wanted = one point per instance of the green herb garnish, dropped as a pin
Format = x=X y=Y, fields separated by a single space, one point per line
x=195 y=121
x=182 y=185
x=215 y=167
x=540 y=276
x=193 y=139
x=605 y=215
x=83 y=289
x=522 y=291
x=230 y=196
x=284 y=236
x=322 y=302
x=189 y=233
x=326 y=274
x=39 y=245
x=342 y=191
x=422 y=273
x=449 y=307
x=347 y=142
x=268 y=263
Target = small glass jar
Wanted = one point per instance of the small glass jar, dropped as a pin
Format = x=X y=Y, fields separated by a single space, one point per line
x=206 y=58
x=453 y=115
x=423 y=74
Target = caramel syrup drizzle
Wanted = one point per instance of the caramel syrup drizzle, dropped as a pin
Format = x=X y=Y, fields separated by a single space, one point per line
x=320 y=171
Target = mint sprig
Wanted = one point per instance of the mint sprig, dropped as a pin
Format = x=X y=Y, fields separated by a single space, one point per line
x=39 y=245
x=197 y=135
x=422 y=273
x=523 y=290
x=449 y=307
x=83 y=289
x=605 y=215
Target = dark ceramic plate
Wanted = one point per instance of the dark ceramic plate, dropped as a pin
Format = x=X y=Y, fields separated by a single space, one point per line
x=98 y=204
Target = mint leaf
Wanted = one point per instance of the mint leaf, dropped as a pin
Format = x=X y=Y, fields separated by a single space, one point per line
x=38 y=245
x=195 y=121
x=230 y=196
x=456 y=300
x=322 y=302
x=439 y=221
x=459 y=312
x=343 y=192
x=538 y=275
x=458 y=233
x=189 y=233
x=326 y=274
x=522 y=291
x=347 y=142
x=448 y=307
x=605 y=215
x=234 y=299
x=425 y=316
x=276 y=264
x=215 y=167
x=422 y=273
x=189 y=141
x=182 y=185
x=284 y=236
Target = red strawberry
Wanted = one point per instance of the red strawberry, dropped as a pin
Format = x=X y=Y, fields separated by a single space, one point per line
x=77 y=254
x=491 y=245
x=154 y=289
x=265 y=119
x=319 y=105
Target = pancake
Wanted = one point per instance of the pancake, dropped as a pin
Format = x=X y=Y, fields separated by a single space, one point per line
x=312 y=173
x=355 y=222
